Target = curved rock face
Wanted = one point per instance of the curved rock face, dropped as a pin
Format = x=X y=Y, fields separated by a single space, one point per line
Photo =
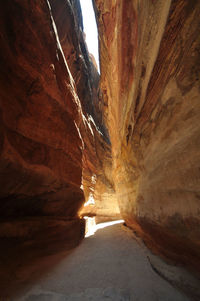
x=97 y=164
x=52 y=135
x=150 y=53
x=41 y=149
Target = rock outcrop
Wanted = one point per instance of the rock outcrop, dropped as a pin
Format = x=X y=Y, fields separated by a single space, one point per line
x=150 y=54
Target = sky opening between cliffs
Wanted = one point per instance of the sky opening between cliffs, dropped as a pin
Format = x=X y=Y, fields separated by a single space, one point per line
x=90 y=29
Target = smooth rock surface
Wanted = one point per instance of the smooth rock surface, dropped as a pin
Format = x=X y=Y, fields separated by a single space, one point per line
x=150 y=79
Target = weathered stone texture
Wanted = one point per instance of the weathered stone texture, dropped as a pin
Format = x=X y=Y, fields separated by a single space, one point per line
x=150 y=54
x=52 y=135
x=97 y=178
x=41 y=155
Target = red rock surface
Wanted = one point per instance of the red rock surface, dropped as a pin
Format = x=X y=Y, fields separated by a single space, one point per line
x=52 y=134
x=150 y=81
x=97 y=179
x=53 y=138
x=41 y=155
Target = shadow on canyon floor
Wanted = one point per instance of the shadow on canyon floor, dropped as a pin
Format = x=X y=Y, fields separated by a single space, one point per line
x=23 y=263
x=111 y=262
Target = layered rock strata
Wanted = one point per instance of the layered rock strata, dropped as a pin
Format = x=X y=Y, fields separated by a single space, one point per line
x=97 y=163
x=53 y=141
x=150 y=54
x=40 y=144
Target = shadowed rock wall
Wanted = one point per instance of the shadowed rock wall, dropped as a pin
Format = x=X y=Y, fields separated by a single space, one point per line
x=52 y=135
x=150 y=54
x=41 y=149
x=53 y=142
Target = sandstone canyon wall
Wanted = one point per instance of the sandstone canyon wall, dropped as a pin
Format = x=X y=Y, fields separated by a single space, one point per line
x=41 y=147
x=53 y=140
x=150 y=68
x=96 y=163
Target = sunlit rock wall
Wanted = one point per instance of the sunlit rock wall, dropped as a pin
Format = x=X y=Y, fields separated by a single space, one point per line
x=150 y=64
x=97 y=164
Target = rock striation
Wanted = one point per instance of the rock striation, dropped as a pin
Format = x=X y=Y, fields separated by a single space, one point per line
x=96 y=163
x=126 y=144
x=150 y=53
x=53 y=141
x=41 y=148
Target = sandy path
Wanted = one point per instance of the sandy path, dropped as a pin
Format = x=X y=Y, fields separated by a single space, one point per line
x=109 y=265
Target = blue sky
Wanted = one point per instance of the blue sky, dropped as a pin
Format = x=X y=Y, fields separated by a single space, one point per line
x=90 y=28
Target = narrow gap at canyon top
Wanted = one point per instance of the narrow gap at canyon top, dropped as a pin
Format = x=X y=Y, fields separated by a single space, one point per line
x=90 y=29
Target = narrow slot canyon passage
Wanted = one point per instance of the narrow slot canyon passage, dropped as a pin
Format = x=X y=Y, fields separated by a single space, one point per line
x=109 y=265
x=99 y=150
